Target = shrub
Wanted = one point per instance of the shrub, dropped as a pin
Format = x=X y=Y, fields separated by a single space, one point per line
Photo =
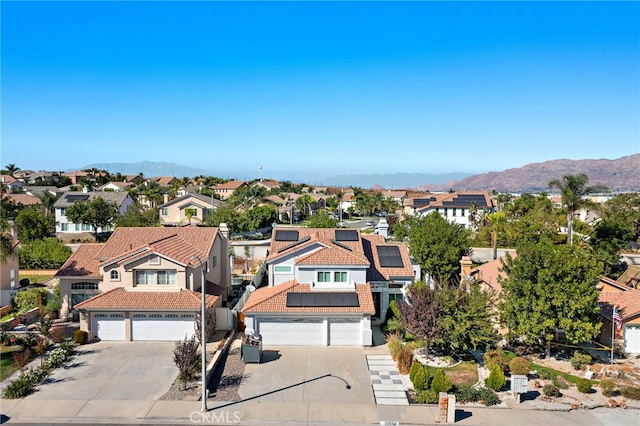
x=81 y=336
x=551 y=390
x=496 y=379
x=519 y=366
x=545 y=374
x=469 y=394
x=394 y=342
x=560 y=382
x=185 y=356
x=67 y=348
x=441 y=382
x=28 y=299
x=584 y=385
x=20 y=359
x=414 y=369
x=630 y=392
x=18 y=388
x=35 y=375
x=421 y=379
x=426 y=397
x=55 y=359
x=580 y=359
x=608 y=387
x=495 y=357
x=404 y=359
x=58 y=334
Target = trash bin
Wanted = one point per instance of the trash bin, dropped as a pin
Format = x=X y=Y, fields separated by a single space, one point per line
x=252 y=349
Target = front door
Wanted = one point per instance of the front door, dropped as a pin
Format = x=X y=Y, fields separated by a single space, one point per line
x=376 y=303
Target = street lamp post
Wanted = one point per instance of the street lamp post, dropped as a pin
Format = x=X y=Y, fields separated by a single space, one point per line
x=203 y=336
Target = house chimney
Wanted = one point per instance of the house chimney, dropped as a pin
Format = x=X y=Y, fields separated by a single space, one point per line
x=465 y=269
x=166 y=198
x=382 y=228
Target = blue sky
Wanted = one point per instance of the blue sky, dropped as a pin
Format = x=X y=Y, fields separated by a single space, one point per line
x=309 y=90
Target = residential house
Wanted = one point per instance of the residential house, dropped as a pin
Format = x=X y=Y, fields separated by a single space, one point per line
x=10 y=271
x=66 y=228
x=191 y=208
x=78 y=175
x=164 y=181
x=320 y=289
x=23 y=199
x=456 y=207
x=226 y=190
x=146 y=283
x=267 y=184
x=116 y=186
x=627 y=303
x=11 y=183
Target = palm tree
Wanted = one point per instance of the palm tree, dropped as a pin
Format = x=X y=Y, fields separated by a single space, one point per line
x=574 y=190
x=48 y=200
x=11 y=169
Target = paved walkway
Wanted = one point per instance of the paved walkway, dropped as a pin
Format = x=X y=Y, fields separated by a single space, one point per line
x=385 y=379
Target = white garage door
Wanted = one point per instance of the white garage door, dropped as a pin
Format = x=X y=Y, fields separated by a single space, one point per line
x=345 y=332
x=162 y=326
x=632 y=339
x=108 y=326
x=291 y=331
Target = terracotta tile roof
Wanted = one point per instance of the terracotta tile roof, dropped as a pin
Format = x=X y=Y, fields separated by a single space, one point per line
x=83 y=263
x=24 y=199
x=121 y=299
x=611 y=283
x=274 y=300
x=175 y=243
x=164 y=180
x=232 y=184
x=627 y=302
x=376 y=272
x=324 y=236
x=489 y=273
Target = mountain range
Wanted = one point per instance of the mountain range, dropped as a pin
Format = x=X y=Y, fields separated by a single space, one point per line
x=622 y=174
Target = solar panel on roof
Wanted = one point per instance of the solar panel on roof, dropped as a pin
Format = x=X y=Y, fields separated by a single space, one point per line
x=286 y=235
x=323 y=300
x=423 y=201
x=287 y=247
x=74 y=198
x=389 y=257
x=346 y=235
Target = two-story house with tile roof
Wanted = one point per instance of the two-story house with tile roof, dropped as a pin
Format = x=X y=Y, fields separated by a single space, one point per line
x=456 y=207
x=226 y=190
x=319 y=288
x=66 y=229
x=146 y=283
x=192 y=208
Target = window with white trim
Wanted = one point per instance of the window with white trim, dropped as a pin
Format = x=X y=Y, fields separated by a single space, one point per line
x=64 y=226
x=164 y=211
x=282 y=269
x=84 y=286
x=149 y=277
x=324 y=277
x=114 y=275
x=340 y=277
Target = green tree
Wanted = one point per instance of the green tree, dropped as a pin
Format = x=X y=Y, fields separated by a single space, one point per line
x=48 y=200
x=7 y=244
x=260 y=217
x=96 y=213
x=574 y=190
x=33 y=224
x=225 y=214
x=48 y=253
x=496 y=379
x=303 y=204
x=441 y=382
x=11 y=169
x=550 y=287
x=139 y=215
x=437 y=245
x=322 y=220
x=465 y=318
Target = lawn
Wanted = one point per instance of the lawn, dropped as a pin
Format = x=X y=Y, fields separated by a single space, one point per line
x=7 y=366
x=463 y=374
x=37 y=277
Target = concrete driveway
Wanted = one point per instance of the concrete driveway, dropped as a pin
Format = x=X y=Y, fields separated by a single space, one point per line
x=299 y=374
x=113 y=371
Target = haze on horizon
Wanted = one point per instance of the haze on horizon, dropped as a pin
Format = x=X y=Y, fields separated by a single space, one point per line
x=319 y=89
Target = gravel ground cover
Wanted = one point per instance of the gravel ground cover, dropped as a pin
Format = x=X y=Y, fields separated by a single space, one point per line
x=227 y=378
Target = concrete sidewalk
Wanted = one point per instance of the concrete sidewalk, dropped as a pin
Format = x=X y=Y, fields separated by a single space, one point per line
x=256 y=411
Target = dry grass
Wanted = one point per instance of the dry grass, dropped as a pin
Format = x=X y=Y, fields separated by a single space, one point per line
x=465 y=373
